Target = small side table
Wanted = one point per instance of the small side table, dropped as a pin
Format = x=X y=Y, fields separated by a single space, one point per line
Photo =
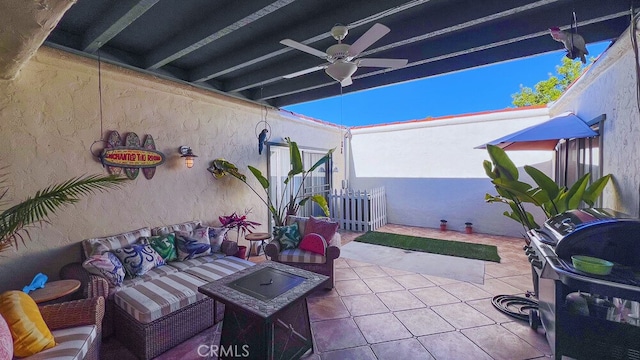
x=251 y=237
x=55 y=290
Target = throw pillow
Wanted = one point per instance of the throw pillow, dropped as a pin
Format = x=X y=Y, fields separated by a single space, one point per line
x=107 y=266
x=324 y=227
x=29 y=332
x=314 y=243
x=288 y=236
x=216 y=237
x=138 y=259
x=165 y=245
x=6 y=341
x=190 y=247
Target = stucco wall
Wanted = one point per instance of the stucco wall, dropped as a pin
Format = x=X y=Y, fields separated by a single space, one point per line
x=609 y=87
x=431 y=171
x=49 y=118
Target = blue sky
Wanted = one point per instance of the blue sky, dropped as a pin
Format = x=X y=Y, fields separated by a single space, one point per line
x=468 y=91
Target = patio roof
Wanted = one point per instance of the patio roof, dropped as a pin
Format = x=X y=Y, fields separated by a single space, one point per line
x=233 y=47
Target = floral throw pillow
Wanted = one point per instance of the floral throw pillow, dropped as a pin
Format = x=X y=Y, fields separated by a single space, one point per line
x=288 y=236
x=165 y=245
x=107 y=266
x=138 y=259
x=216 y=237
x=190 y=247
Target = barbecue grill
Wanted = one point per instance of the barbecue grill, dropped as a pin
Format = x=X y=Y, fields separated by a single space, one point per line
x=599 y=233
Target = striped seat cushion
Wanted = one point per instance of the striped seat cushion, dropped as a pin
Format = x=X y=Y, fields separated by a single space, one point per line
x=187 y=264
x=99 y=246
x=156 y=298
x=72 y=343
x=301 y=256
x=219 y=268
x=149 y=275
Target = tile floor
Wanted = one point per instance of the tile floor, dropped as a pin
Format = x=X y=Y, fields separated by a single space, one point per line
x=377 y=312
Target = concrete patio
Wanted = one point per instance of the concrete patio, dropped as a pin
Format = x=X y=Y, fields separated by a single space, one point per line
x=377 y=312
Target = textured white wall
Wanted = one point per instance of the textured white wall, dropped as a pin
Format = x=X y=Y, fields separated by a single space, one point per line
x=49 y=117
x=431 y=171
x=610 y=87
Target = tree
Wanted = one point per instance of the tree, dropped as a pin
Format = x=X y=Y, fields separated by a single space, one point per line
x=549 y=90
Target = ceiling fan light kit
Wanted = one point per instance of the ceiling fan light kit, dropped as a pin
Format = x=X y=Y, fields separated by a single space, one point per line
x=342 y=59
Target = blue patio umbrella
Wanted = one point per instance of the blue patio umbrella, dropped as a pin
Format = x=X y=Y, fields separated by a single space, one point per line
x=545 y=136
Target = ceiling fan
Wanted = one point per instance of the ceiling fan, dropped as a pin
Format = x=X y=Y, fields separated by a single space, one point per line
x=342 y=59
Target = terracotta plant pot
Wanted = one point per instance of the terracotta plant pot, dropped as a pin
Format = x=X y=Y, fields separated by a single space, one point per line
x=242 y=252
x=443 y=225
x=468 y=228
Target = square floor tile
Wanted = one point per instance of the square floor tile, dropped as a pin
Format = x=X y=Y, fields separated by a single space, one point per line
x=438 y=280
x=423 y=322
x=500 y=343
x=461 y=315
x=325 y=308
x=466 y=291
x=401 y=349
x=380 y=284
x=336 y=334
x=346 y=274
x=452 y=345
x=486 y=307
x=340 y=263
x=400 y=300
x=381 y=327
x=537 y=339
x=352 y=287
x=357 y=353
x=365 y=272
x=498 y=287
x=522 y=282
x=434 y=296
x=364 y=304
x=356 y=263
x=395 y=272
x=413 y=281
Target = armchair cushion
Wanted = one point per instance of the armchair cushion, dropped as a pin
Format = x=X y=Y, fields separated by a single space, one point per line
x=313 y=242
x=6 y=342
x=324 y=227
x=29 y=331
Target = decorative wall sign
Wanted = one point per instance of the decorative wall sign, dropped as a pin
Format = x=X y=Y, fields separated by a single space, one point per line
x=131 y=157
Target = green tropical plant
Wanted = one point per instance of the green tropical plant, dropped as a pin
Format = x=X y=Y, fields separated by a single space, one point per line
x=547 y=195
x=280 y=208
x=14 y=221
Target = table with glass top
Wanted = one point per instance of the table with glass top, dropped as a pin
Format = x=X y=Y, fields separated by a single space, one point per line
x=266 y=315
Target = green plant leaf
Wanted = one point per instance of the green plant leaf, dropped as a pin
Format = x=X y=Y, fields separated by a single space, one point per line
x=592 y=193
x=544 y=182
x=505 y=168
x=322 y=160
x=318 y=199
x=574 y=195
x=488 y=169
x=258 y=175
x=295 y=158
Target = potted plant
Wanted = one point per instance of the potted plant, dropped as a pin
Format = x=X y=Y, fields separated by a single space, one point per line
x=443 y=225
x=278 y=208
x=547 y=195
x=468 y=228
x=241 y=225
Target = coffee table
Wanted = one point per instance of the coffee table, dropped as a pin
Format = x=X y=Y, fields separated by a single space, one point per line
x=266 y=314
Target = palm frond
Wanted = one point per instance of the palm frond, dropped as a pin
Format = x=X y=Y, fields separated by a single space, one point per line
x=13 y=221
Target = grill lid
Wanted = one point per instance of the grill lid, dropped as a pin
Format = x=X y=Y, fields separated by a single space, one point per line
x=601 y=233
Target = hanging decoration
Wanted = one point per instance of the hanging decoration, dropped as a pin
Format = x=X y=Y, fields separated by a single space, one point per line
x=132 y=156
x=264 y=134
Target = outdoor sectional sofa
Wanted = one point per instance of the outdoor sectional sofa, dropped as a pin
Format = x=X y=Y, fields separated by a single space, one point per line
x=156 y=311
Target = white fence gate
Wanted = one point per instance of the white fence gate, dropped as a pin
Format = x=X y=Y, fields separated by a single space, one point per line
x=357 y=210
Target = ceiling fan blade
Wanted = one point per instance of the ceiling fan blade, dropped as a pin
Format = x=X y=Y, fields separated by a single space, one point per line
x=305 y=71
x=386 y=63
x=346 y=82
x=302 y=47
x=372 y=35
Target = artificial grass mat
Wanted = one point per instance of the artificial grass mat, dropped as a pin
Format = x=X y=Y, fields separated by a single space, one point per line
x=434 y=246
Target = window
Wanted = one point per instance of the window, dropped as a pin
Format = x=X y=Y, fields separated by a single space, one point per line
x=318 y=182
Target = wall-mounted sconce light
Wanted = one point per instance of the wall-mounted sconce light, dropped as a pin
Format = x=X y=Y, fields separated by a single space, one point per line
x=335 y=169
x=188 y=155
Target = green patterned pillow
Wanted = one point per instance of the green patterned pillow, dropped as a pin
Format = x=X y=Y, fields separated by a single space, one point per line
x=165 y=245
x=288 y=236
